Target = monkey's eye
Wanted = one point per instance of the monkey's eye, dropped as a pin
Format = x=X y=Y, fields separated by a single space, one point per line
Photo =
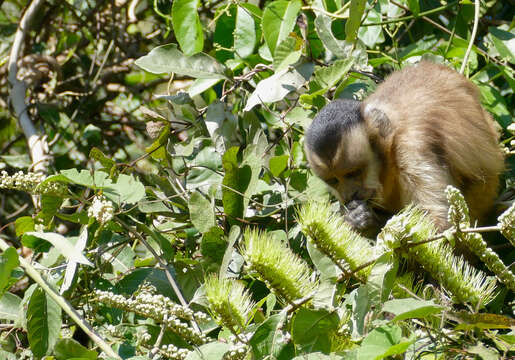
x=331 y=182
x=354 y=173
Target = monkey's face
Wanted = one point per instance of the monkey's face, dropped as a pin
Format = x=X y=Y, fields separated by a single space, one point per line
x=353 y=170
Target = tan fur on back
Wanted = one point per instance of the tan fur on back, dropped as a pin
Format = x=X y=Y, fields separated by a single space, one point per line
x=441 y=135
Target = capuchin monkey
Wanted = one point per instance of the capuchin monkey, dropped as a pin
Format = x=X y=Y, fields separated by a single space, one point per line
x=421 y=130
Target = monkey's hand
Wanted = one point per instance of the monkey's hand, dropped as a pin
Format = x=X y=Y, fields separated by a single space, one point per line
x=363 y=218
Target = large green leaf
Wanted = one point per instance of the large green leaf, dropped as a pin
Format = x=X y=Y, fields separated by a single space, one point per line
x=382 y=342
x=187 y=27
x=202 y=214
x=357 y=8
x=43 y=323
x=9 y=307
x=236 y=182
x=126 y=190
x=168 y=59
x=70 y=349
x=277 y=86
x=411 y=308
x=244 y=33
x=8 y=262
x=212 y=351
x=312 y=330
x=278 y=21
x=268 y=341
x=62 y=244
x=504 y=42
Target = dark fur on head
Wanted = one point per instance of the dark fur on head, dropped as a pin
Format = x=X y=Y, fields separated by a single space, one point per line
x=326 y=130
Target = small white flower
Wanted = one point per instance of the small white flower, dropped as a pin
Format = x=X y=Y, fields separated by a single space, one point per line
x=101 y=209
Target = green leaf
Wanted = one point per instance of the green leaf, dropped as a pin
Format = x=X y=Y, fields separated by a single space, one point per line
x=244 y=33
x=379 y=341
x=236 y=178
x=202 y=214
x=277 y=86
x=187 y=27
x=43 y=323
x=414 y=7
x=99 y=156
x=320 y=356
x=411 y=308
x=287 y=52
x=223 y=39
x=495 y=103
x=484 y=352
x=268 y=340
x=50 y=205
x=278 y=21
x=168 y=59
x=381 y=279
x=17 y=161
x=158 y=148
x=9 y=307
x=201 y=85
x=357 y=8
x=212 y=351
x=24 y=224
x=504 y=43
x=329 y=76
x=126 y=190
x=8 y=262
x=213 y=244
x=312 y=330
x=70 y=349
x=372 y=35
x=327 y=268
x=95 y=180
x=277 y=164
x=62 y=244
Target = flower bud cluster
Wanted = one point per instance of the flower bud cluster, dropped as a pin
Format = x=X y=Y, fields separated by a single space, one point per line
x=277 y=266
x=159 y=308
x=478 y=246
x=101 y=209
x=229 y=301
x=465 y=283
x=171 y=351
x=31 y=183
x=332 y=236
x=507 y=224
x=458 y=214
x=237 y=349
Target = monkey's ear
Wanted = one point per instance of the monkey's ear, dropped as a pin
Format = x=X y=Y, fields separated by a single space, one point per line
x=378 y=121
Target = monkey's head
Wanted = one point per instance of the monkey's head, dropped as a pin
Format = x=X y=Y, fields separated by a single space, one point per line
x=339 y=151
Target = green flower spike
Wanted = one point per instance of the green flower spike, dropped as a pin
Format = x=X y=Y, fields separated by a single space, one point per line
x=475 y=242
x=465 y=283
x=230 y=302
x=327 y=231
x=507 y=224
x=277 y=266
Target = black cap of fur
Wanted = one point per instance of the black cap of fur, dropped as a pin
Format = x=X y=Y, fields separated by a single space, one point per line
x=325 y=132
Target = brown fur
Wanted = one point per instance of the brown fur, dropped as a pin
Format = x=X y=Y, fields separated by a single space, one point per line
x=423 y=129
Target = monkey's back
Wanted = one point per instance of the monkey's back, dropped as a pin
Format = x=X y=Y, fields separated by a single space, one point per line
x=440 y=117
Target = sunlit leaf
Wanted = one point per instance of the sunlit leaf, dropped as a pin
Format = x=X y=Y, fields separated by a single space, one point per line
x=187 y=27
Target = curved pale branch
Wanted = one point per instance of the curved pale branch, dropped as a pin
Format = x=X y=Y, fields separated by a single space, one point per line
x=472 y=36
x=38 y=146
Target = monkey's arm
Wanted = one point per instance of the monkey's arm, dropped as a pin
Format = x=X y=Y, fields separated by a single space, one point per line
x=423 y=182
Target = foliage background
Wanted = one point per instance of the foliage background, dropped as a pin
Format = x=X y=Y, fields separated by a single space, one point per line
x=216 y=146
